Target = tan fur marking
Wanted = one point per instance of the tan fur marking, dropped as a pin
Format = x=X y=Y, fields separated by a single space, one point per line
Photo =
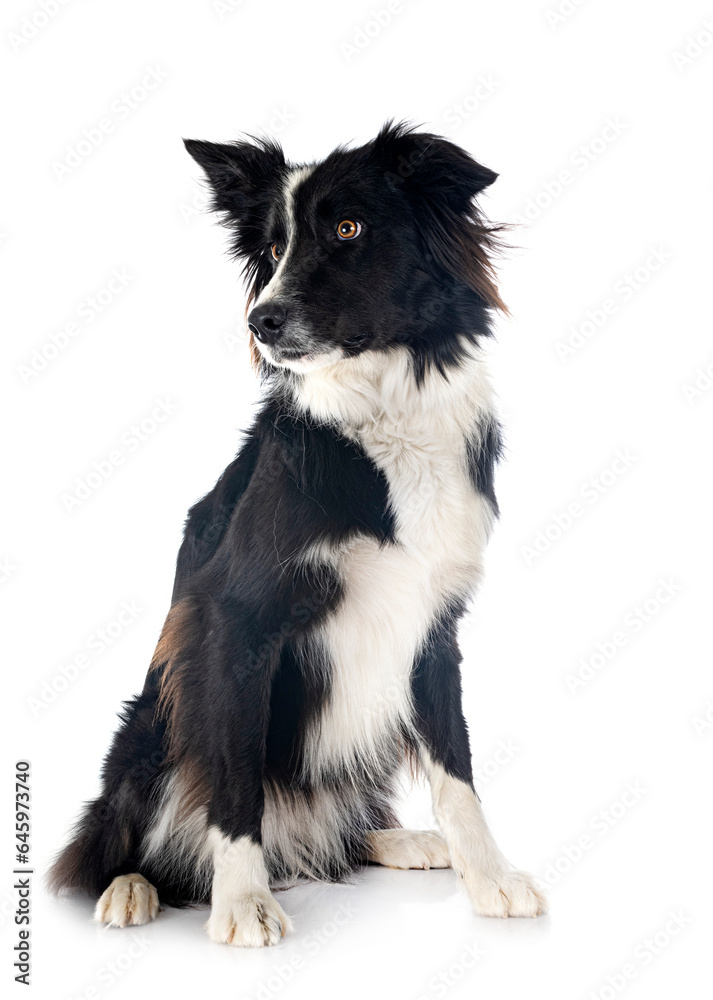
x=194 y=790
x=172 y=648
x=473 y=263
x=255 y=355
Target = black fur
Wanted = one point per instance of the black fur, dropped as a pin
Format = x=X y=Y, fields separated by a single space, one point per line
x=484 y=452
x=437 y=697
x=235 y=679
x=421 y=266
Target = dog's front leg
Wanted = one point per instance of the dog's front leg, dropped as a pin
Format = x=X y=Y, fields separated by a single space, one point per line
x=243 y=910
x=495 y=887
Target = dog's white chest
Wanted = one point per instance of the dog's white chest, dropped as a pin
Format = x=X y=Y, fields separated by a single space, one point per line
x=441 y=522
x=394 y=592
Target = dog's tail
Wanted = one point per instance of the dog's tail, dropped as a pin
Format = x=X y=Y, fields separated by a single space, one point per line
x=96 y=852
x=106 y=840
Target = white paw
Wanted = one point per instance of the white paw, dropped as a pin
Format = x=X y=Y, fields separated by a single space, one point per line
x=507 y=893
x=252 y=920
x=130 y=899
x=408 y=849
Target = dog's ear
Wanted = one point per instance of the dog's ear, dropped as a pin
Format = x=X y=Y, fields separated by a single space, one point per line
x=241 y=174
x=440 y=181
x=243 y=177
x=430 y=166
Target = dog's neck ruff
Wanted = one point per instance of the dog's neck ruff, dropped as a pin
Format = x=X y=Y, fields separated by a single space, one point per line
x=379 y=390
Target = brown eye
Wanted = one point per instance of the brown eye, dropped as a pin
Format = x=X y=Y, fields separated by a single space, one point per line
x=348 y=230
x=276 y=251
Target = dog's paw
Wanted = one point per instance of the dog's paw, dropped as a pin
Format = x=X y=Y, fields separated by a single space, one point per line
x=130 y=899
x=506 y=893
x=407 y=849
x=252 y=920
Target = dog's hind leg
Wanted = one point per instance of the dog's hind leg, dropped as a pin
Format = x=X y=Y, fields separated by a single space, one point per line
x=130 y=899
x=105 y=846
x=407 y=849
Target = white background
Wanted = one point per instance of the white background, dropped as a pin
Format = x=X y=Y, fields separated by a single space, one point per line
x=535 y=94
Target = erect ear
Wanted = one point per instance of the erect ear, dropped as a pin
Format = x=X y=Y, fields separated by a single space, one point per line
x=240 y=173
x=430 y=167
x=439 y=181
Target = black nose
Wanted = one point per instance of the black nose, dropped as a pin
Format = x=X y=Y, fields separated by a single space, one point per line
x=266 y=321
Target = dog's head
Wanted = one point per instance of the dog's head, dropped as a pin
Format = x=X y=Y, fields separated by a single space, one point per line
x=376 y=246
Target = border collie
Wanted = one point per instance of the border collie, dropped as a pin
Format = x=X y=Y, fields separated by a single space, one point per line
x=310 y=649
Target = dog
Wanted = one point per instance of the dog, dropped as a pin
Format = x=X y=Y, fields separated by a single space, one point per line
x=310 y=650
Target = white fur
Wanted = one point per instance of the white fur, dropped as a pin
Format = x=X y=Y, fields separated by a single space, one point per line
x=243 y=910
x=417 y=436
x=130 y=899
x=496 y=889
x=177 y=840
x=407 y=849
x=301 y=837
x=306 y=837
x=293 y=180
x=171 y=821
x=311 y=360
